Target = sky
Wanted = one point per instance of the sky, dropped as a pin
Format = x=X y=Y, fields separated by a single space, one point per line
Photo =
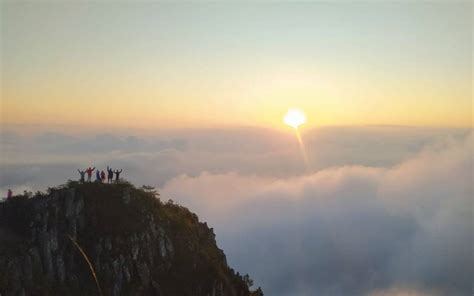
x=189 y=97
x=155 y=65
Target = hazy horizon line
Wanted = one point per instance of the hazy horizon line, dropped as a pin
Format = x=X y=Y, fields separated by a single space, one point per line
x=80 y=128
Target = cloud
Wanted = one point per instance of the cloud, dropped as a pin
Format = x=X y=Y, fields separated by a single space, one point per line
x=156 y=158
x=400 y=291
x=350 y=230
x=386 y=209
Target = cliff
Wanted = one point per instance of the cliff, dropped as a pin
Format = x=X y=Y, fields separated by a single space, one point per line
x=136 y=245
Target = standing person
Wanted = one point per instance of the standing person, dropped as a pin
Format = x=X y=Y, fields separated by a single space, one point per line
x=97 y=176
x=110 y=175
x=117 y=175
x=82 y=173
x=102 y=176
x=89 y=171
x=9 y=194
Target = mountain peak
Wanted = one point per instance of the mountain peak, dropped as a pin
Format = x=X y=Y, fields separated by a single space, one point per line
x=53 y=243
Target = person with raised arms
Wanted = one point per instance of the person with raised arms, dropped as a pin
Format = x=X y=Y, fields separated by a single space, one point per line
x=89 y=171
x=110 y=175
x=117 y=175
x=82 y=173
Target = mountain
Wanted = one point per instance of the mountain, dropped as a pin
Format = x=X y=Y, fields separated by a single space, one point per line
x=101 y=239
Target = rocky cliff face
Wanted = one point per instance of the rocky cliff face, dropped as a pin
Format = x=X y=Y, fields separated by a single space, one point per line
x=136 y=245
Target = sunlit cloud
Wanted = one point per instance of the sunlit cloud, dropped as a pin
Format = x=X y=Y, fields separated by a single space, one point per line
x=349 y=230
x=384 y=208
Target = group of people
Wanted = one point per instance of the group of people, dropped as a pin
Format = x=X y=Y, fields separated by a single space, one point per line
x=100 y=175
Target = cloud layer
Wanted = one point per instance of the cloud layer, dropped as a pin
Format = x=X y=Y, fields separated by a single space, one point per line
x=351 y=230
x=48 y=158
x=384 y=211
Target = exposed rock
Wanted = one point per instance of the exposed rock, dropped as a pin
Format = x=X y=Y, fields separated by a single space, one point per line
x=126 y=196
x=136 y=245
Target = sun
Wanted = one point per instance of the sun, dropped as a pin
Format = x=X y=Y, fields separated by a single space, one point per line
x=294 y=118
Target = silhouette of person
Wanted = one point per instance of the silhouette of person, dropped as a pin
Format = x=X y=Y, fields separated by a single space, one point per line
x=97 y=176
x=102 y=176
x=9 y=194
x=83 y=173
x=110 y=175
x=89 y=171
x=117 y=175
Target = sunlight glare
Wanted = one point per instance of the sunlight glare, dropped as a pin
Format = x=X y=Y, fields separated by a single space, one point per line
x=294 y=118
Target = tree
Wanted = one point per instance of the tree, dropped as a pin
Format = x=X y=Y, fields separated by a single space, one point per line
x=246 y=278
x=257 y=292
x=152 y=190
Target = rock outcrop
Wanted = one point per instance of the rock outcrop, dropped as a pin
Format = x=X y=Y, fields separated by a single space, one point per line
x=135 y=244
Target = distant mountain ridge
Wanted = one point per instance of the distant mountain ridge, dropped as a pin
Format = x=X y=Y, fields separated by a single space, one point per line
x=136 y=244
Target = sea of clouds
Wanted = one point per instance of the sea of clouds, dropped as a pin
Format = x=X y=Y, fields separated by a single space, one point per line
x=379 y=211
